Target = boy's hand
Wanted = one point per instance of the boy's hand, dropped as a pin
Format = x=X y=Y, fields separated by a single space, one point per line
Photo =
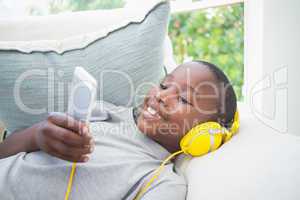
x=64 y=137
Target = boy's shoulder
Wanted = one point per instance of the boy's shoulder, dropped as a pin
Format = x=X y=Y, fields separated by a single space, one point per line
x=170 y=185
x=111 y=109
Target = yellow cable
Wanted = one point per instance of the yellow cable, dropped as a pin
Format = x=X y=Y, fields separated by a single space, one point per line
x=72 y=174
x=156 y=174
x=70 y=181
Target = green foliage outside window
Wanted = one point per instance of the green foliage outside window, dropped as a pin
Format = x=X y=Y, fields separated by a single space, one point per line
x=215 y=35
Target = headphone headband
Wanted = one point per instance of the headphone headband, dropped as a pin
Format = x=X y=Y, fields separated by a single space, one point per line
x=236 y=123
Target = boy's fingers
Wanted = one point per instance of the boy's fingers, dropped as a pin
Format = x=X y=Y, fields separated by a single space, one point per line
x=66 y=121
x=70 y=138
x=71 y=153
x=71 y=159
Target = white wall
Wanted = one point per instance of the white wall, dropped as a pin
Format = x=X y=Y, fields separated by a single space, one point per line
x=272 y=62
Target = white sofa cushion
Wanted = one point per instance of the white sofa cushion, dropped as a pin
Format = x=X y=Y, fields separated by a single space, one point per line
x=258 y=163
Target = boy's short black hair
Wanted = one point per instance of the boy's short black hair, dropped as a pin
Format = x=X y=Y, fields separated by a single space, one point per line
x=230 y=101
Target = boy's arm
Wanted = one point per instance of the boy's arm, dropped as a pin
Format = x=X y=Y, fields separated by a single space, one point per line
x=59 y=135
x=20 y=141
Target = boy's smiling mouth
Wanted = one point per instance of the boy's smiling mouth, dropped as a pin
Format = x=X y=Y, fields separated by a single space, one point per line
x=151 y=111
x=151 y=114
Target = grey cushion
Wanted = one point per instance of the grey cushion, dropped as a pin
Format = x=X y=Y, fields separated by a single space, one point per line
x=126 y=61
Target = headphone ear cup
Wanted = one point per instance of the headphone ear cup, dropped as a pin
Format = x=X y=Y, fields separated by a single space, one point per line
x=195 y=144
x=202 y=139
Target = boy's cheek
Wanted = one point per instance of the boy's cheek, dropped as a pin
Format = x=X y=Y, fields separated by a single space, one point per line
x=174 y=128
x=174 y=112
x=153 y=91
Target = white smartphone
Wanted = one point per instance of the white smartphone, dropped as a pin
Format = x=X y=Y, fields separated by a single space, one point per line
x=83 y=95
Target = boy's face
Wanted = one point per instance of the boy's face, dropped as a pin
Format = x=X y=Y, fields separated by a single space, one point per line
x=185 y=98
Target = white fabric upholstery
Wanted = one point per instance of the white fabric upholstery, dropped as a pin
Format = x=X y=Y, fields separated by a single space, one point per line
x=68 y=31
x=258 y=163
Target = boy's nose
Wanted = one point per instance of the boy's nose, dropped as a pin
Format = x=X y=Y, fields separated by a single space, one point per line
x=166 y=96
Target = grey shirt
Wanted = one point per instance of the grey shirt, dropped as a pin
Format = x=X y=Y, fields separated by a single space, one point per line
x=123 y=160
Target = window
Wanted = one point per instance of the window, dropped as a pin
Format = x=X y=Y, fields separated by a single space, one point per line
x=10 y=8
x=76 y=5
x=198 y=31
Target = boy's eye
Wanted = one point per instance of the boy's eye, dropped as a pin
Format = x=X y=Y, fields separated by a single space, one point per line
x=162 y=86
x=183 y=100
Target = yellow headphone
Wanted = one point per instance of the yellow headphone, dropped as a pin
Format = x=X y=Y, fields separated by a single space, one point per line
x=207 y=137
x=200 y=140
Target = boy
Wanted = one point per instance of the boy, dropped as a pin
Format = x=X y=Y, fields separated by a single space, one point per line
x=126 y=149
